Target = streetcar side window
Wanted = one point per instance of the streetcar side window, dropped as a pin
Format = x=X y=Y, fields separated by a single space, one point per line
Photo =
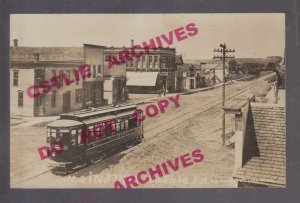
x=73 y=137
x=132 y=123
x=140 y=116
x=99 y=131
x=113 y=126
x=122 y=124
x=90 y=134
x=126 y=123
x=108 y=128
x=79 y=136
x=118 y=125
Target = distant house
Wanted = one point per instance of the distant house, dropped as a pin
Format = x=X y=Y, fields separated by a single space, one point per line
x=260 y=145
x=189 y=76
x=215 y=68
x=33 y=65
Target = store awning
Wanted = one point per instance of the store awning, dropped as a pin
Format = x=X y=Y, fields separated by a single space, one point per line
x=141 y=78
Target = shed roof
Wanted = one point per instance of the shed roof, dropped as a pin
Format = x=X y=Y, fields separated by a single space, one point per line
x=142 y=79
x=264 y=153
x=64 y=123
x=26 y=54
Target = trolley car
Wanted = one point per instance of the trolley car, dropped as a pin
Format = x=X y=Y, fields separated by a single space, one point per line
x=89 y=135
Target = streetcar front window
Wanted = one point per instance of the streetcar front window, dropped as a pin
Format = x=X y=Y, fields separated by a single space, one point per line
x=64 y=135
x=52 y=135
x=73 y=137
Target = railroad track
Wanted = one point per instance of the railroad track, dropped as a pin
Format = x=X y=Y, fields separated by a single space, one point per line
x=187 y=116
x=180 y=119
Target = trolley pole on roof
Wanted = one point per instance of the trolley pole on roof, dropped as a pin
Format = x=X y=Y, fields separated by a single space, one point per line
x=223 y=57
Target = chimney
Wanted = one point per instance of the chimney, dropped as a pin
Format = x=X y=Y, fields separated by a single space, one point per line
x=36 y=57
x=15 y=42
x=132 y=42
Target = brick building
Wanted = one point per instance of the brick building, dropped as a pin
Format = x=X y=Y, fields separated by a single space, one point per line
x=150 y=72
x=33 y=65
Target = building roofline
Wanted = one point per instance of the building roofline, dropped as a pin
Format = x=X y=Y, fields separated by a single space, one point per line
x=94 y=46
x=259 y=182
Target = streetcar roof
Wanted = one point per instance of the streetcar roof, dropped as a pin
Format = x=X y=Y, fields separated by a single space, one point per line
x=97 y=112
x=104 y=118
x=64 y=123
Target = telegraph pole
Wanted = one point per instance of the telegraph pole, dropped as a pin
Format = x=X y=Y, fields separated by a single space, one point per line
x=223 y=57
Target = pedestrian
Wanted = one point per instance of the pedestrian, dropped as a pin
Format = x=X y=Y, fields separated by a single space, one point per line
x=159 y=92
x=164 y=90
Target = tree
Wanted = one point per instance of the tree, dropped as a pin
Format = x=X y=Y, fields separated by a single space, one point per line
x=232 y=65
x=271 y=66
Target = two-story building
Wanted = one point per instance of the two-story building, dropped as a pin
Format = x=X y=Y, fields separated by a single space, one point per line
x=33 y=65
x=190 y=76
x=115 y=89
x=151 y=71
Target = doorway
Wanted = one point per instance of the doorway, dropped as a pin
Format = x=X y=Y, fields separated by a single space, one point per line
x=66 y=102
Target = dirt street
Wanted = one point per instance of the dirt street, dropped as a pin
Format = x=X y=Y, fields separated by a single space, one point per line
x=196 y=124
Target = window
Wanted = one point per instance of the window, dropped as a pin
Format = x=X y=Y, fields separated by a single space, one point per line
x=73 y=137
x=113 y=126
x=99 y=69
x=53 y=75
x=69 y=74
x=132 y=123
x=155 y=61
x=20 y=98
x=150 y=62
x=78 y=96
x=64 y=134
x=126 y=123
x=61 y=80
x=76 y=81
x=53 y=135
x=39 y=75
x=139 y=63
x=90 y=134
x=140 y=116
x=39 y=100
x=90 y=68
x=16 y=77
x=94 y=71
x=128 y=63
x=163 y=61
x=53 y=98
x=107 y=57
x=110 y=128
x=122 y=124
x=99 y=131
x=118 y=123
x=79 y=137
x=144 y=63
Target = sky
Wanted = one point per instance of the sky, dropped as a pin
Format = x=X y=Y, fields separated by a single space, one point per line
x=251 y=35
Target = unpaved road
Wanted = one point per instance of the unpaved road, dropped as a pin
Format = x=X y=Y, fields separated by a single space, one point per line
x=196 y=124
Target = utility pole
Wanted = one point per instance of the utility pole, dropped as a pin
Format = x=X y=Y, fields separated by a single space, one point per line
x=223 y=57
